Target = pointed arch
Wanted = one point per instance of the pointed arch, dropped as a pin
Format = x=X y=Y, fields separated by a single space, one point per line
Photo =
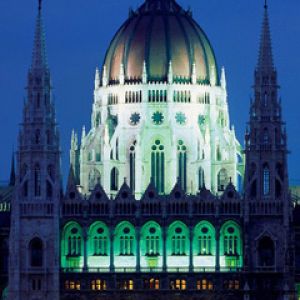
x=151 y=239
x=222 y=179
x=201 y=178
x=36 y=252
x=266 y=180
x=72 y=244
x=132 y=155
x=178 y=239
x=37 y=180
x=158 y=165
x=98 y=239
x=266 y=252
x=231 y=245
x=114 y=179
x=182 y=164
x=125 y=239
x=204 y=238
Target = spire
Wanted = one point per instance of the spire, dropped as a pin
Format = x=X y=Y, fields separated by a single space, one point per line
x=265 y=58
x=12 y=179
x=39 y=57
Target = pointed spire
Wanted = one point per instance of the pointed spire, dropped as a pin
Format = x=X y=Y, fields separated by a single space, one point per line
x=12 y=179
x=97 y=79
x=265 y=58
x=104 y=76
x=83 y=134
x=39 y=57
x=71 y=178
x=223 y=79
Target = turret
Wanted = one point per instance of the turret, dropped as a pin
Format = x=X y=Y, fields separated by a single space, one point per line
x=37 y=187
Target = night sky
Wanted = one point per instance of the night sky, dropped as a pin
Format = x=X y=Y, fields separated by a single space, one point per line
x=78 y=33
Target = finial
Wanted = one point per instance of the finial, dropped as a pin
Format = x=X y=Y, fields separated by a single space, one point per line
x=40 y=5
x=266 y=4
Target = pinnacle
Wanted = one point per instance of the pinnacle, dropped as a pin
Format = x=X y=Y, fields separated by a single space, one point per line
x=39 y=57
x=265 y=59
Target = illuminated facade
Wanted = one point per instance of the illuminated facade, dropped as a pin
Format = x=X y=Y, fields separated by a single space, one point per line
x=160 y=110
x=153 y=206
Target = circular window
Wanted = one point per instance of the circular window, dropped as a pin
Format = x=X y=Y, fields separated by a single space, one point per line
x=204 y=230
x=74 y=230
x=126 y=230
x=178 y=230
x=100 y=230
x=157 y=142
x=230 y=230
x=135 y=119
x=154 y=148
x=180 y=118
x=152 y=230
x=132 y=148
x=158 y=118
x=161 y=147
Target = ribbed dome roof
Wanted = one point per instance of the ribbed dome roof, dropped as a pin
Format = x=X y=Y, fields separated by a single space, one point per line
x=160 y=31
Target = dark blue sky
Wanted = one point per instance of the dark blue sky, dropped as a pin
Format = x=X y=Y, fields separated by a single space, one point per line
x=79 y=31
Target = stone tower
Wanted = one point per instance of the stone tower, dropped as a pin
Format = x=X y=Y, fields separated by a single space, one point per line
x=34 y=236
x=268 y=203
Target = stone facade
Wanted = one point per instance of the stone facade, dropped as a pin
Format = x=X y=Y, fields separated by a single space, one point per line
x=177 y=226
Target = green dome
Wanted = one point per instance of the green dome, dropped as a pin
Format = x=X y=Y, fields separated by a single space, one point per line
x=160 y=31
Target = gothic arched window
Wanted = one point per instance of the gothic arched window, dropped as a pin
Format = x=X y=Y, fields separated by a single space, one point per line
x=36 y=252
x=117 y=149
x=72 y=240
x=201 y=179
x=182 y=164
x=266 y=180
x=151 y=238
x=231 y=244
x=37 y=180
x=222 y=180
x=178 y=239
x=266 y=252
x=99 y=239
x=48 y=137
x=266 y=138
x=114 y=179
x=132 y=165
x=49 y=189
x=125 y=242
x=204 y=239
x=94 y=178
x=37 y=137
x=218 y=154
x=158 y=166
x=51 y=172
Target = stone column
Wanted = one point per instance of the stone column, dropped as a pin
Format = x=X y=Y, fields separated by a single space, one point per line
x=217 y=248
x=85 y=254
x=191 y=265
x=164 y=238
x=138 y=252
x=112 y=254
